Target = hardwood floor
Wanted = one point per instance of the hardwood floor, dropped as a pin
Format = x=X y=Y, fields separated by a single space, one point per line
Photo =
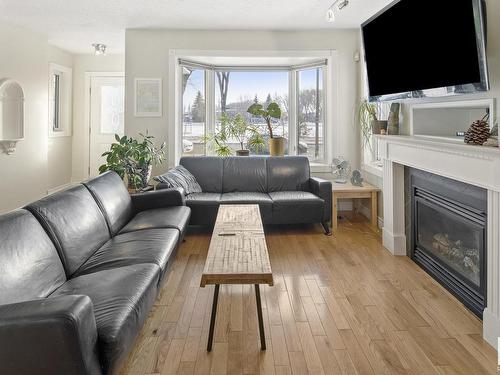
x=340 y=305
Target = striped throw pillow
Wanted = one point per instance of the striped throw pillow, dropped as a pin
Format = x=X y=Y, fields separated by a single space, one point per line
x=180 y=177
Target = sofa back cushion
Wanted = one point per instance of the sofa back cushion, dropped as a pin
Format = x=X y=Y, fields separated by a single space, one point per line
x=207 y=170
x=289 y=173
x=244 y=174
x=75 y=224
x=113 y=198
x=30 y=267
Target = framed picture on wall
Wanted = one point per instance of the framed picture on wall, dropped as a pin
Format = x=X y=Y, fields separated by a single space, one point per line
x=148 y=97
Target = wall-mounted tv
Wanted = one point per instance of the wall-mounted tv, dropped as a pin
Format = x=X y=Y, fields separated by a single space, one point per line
x=418 y=49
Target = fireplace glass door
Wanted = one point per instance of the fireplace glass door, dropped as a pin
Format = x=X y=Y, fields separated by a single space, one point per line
x=455 y=240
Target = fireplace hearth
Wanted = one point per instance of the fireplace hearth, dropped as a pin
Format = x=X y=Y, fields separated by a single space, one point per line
x=448 y=235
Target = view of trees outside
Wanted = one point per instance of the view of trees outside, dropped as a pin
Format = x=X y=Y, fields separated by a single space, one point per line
x=235 y=91
x=310 y=113
x=245 y=88
x=193 y=105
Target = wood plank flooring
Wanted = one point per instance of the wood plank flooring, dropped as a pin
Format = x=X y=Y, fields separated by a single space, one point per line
x=340 y=305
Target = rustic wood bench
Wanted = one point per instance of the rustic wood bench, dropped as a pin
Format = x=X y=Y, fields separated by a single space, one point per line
x=237 y=255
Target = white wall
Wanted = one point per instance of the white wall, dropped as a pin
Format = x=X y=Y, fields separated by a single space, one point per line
x=82 y=65
x=23 y=175
x=59 y=157
x=147 y=55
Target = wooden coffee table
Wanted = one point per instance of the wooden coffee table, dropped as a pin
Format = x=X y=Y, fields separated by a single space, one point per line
x=237 y=255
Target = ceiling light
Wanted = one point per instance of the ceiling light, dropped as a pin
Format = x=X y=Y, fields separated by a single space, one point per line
x=330 y=13
x=99 y=49
x=343 y=4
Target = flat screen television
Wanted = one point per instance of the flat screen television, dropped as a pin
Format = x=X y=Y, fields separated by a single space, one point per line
x=417 y=49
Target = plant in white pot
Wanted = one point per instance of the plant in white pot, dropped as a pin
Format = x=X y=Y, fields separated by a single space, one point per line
x=133 y=159
x=273 y=111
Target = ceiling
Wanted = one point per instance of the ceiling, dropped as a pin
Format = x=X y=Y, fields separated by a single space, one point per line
x=74 y=25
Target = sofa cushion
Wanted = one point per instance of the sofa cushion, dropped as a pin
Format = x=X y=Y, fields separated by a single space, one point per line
x=176 y=217
x=75 y=224
x=180 y=177
x=296 y=207
x=112 y=196
x=207 y=170
x=204 y=207
x=30 y=267
x=122 y=298
x=246 y=198
x=289 y=173
x=262 y=199
x=242 y=174
x=146 y=246
x=203 y=199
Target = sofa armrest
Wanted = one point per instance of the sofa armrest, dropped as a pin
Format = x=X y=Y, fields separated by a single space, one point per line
x=52 y=335
x=323 y=189
x=158 y=198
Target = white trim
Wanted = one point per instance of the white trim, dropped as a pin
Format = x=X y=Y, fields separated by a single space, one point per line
x=65 y=104
x=209 y=104
x=86 y=110
x=373 y=168
x=158 y=113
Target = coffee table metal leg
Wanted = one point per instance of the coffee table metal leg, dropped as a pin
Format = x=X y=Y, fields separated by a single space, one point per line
x=212 y=319
x=259 y=314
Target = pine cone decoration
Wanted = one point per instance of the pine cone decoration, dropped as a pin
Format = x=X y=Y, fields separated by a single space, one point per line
x=478 y=133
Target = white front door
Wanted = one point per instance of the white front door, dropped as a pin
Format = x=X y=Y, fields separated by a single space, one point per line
x=107 y=96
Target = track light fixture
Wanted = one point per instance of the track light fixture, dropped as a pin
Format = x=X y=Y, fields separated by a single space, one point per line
x=330 y=13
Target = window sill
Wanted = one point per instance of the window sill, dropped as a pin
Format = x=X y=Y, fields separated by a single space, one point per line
x=59 y=134
x=374 y=168
x=320 y=168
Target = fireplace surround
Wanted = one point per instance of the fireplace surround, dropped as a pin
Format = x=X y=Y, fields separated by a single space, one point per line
x=474 y=165
x=448 y=221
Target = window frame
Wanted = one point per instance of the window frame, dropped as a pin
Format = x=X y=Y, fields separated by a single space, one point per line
x=64 y=100
x=330 y=87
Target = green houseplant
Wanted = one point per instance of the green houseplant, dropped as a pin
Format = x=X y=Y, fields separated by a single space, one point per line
x=238 y=129
x=369 y=114
x=273 y=111
x=133 y=159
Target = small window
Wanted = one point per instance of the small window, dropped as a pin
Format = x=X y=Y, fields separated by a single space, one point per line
x=60 y=100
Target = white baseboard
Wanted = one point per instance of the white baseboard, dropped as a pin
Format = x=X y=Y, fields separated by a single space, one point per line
x=491 y=328
x=396 y=244
x=59 y=188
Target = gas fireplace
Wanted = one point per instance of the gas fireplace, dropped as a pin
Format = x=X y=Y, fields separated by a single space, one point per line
x=448 y=234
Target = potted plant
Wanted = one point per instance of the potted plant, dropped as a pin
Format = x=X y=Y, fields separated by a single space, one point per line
x=234 y=129
x=132 y=160
x=368 y=117
x=273 y=111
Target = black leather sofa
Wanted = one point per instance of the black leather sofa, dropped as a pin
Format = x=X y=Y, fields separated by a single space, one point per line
x=281 y=186
x=79 y=273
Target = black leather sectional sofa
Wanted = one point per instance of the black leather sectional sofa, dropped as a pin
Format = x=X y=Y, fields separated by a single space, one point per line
x=281 y=186
x=79 y=272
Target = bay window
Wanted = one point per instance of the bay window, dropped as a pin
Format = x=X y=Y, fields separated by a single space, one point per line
x=209 y=90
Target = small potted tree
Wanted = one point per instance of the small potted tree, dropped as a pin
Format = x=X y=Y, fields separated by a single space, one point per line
x=234 y=129
x=273 y=111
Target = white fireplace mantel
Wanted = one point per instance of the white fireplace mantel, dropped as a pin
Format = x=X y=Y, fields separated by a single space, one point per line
x=475 y=165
